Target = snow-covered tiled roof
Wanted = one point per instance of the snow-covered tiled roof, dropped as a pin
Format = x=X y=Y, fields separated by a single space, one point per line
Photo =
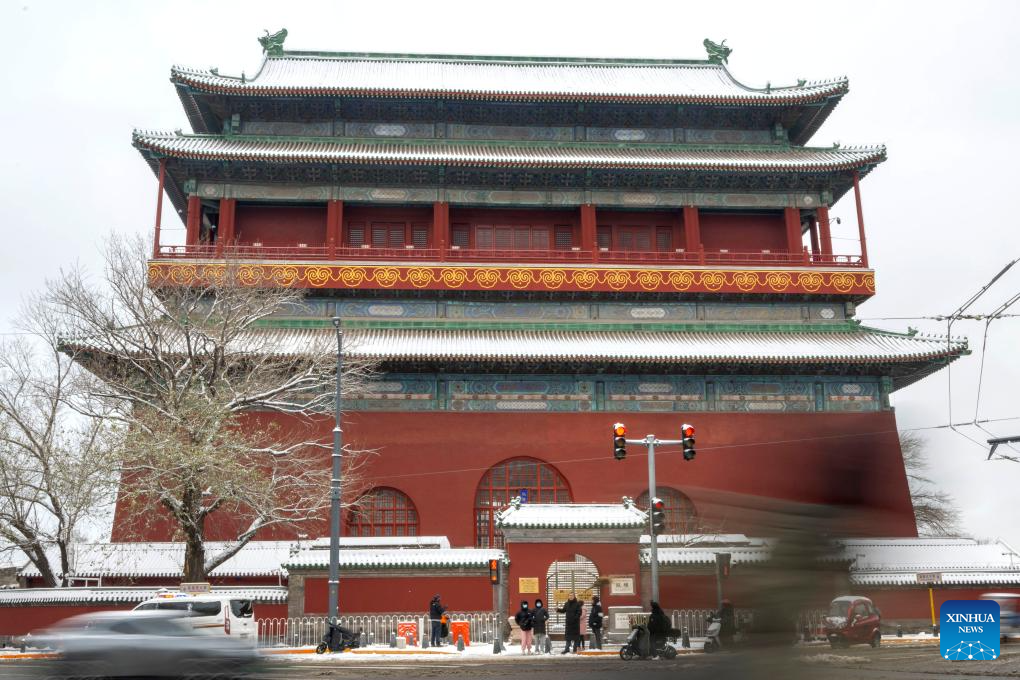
x=571 y=516
x=137 y=560
x=899 y=561
x=700 y=555
x=513 y=78
x=257 y=558
x=704 y=539
x=506 y=154
x=397 y=558
x=127 y=596
x=687 y=347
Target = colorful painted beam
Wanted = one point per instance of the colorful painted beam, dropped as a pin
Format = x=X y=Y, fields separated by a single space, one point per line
x=523 y=278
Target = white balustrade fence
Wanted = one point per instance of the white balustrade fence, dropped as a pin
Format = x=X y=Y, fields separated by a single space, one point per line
x=373 y=628
x=696 y=620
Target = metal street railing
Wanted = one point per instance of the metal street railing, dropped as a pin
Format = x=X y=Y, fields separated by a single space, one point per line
x=374 y=628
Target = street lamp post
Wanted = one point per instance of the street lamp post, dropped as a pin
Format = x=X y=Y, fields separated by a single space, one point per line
x=334 y=485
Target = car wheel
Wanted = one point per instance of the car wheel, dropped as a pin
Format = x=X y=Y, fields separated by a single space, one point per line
x=669 y=651
x=709 y=646
x=626 y=653
x=876 y=641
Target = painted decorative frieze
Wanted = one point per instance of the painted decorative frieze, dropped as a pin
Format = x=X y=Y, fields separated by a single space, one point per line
x=480 y=278
x=617 y=393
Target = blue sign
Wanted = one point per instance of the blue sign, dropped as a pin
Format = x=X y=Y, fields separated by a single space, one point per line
x=524 y=495
x=969 y=630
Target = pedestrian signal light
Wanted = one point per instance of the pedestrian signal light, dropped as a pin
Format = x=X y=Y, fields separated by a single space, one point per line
x=722 y=561
x=687 y=433
x=658 y=515
x=494 y=572
x=619 y=441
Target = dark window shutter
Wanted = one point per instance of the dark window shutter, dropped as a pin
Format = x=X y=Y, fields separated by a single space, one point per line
x=483 y=238
x=504 y=238
x=604 y=235
x=396 y=239
x=663 y=239
x=540 y=238
x=460 y=234
x=420 y=235
x=355 y=235
x=379 y=234
x=564 y=237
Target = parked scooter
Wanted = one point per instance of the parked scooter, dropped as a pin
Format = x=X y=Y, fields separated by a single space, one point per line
x=712 y=643
x=337 y=639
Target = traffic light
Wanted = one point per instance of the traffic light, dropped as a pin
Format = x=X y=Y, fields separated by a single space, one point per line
x=722 y=563
x=619 y=441
x=658 y=515
x=494 y=572
x=687 y=432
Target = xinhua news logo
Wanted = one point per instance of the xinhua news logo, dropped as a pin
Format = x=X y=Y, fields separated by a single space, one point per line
x=969 y=630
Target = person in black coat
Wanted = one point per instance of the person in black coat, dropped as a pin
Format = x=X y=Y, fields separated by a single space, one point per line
x=539 y=615
x=526 y=621
x=658 y=627
x=595 y=622
x=571 y=622
x=436 y=611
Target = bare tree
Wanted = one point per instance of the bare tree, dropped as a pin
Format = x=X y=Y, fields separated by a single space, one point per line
x=222 y=415
x=57 y=471
x=934 y=511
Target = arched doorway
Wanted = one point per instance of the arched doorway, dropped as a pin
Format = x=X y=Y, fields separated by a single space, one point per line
x=579 y=576
x=383 y=512
x=504 y=482
x=681 y=515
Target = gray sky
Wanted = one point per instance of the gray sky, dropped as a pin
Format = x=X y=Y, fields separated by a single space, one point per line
x=937 y=82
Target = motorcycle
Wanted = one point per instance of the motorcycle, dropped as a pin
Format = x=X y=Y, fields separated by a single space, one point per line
x=338 y=638
x=639 y=644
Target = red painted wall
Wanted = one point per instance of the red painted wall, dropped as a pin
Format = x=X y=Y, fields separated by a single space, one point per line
x=400 y=593
x=281 y=225
x=737 y=481
x=913 y=603
x=743 y=232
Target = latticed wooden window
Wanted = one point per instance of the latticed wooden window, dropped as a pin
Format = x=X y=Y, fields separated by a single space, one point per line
x=383 y=512
x=681 y=515
x=542 y=482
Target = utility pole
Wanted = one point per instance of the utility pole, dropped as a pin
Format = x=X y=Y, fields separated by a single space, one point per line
x=334 y=485
x=651 y=441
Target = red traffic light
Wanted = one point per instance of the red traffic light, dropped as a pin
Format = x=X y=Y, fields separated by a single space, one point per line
x=687 y=430
x=494 y=571
x=658 y=504
x=620 y=430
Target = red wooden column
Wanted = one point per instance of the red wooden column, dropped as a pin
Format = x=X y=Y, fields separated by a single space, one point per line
x=225 y=235
x=825 y=236
x=191 y=233
x=860 y=218
x=159 y=206
x=334 y=220
x=794 y=237
x=589 y=239
x=692 y=232
x=441 y=228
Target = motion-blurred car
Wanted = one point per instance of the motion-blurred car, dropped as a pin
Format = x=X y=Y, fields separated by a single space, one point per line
x=143 y=644
x=1009 y=612
x=853 y=620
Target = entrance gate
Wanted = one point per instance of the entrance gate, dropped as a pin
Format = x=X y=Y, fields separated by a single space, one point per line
x=579 y=576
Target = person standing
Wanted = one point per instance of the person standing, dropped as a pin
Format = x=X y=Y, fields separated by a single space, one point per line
x=525 y=621
x=436 y=611
x=539 y=615
x=595 y=617
x=571 y=610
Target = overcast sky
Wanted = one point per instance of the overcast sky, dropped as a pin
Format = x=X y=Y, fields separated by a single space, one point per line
x=935 y=81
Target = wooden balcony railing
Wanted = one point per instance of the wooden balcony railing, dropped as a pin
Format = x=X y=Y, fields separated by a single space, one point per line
x=760 y=258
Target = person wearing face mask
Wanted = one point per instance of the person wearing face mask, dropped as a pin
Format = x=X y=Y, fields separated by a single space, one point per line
x=539 y=615
x=525 y=620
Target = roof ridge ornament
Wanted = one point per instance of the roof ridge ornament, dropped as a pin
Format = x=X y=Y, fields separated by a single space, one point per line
x=272 y=44
x=718 y=53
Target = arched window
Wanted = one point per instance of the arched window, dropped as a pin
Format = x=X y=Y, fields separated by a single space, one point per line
x=383 y=512
x=681 y=515
x=506 y=480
